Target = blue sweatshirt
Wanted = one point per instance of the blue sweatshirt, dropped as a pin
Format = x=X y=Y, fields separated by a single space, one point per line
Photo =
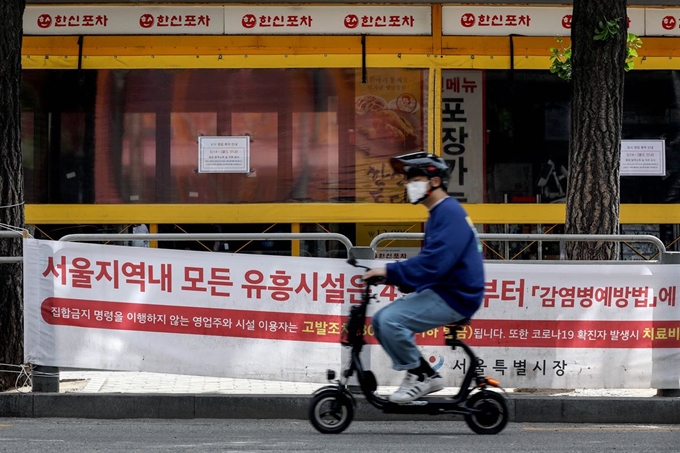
x=450 y=262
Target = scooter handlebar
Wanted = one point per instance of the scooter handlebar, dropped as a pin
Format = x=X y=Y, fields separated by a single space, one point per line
x=373 y=281
x=353 y=261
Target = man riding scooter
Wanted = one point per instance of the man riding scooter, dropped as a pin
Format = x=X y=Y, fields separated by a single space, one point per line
x=445 y=281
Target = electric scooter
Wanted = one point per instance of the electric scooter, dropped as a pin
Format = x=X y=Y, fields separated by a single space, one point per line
x=332 y=407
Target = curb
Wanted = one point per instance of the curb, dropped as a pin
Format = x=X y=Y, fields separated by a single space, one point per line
x=523 y=409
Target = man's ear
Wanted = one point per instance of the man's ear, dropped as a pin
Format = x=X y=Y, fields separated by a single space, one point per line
x=436 y=182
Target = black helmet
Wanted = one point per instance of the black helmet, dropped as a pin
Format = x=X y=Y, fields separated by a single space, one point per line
x=421 y=164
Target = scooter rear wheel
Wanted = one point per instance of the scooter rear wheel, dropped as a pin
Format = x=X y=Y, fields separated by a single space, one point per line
x=491 y=413
x=330 y=412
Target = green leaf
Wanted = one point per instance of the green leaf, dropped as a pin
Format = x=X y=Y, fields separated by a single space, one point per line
x=561 y=61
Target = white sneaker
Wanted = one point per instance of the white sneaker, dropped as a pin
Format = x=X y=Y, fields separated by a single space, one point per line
x=412 y=388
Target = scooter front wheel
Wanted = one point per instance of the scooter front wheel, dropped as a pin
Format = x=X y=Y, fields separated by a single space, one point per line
x=331 y=412
x=490 y=413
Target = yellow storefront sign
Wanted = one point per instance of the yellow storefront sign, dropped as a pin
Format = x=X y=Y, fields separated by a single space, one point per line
x=366 y=232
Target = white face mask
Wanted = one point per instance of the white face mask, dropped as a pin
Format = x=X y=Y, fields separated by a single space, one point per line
x=416 y=191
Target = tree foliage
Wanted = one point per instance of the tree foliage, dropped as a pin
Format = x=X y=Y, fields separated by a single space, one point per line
x=11 y=188
x=560 y=56
x=598 y=62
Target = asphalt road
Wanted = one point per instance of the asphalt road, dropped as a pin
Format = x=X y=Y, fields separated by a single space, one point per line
x=209 y=435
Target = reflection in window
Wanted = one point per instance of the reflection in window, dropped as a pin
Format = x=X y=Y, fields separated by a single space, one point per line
x=185 y=128
x=138 y=159
x=315 y=157
x=31 y=177
x=261 y=184
x=319 y=135
x=74 y=171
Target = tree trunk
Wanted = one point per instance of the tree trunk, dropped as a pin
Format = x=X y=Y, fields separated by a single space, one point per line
x=596 y=119
x=11 y=189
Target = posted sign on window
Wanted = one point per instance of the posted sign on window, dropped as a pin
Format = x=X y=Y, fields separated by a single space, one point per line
x=224 y=154
x=643 y=158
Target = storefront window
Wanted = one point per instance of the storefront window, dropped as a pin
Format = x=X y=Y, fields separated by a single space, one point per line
x=320 y=135
x=28 y=153
x=528 y=121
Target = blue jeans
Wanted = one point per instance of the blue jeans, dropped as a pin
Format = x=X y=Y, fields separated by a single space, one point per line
x=395 y=325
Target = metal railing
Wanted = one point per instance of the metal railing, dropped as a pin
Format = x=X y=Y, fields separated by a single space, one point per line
x=337 y=237
x=48 y=379
x=11 y=259
x=538 y=238
x=210 y=237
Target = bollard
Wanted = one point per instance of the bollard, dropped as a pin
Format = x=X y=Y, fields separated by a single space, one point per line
x=45 y=379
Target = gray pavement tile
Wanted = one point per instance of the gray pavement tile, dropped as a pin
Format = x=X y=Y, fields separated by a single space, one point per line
x=143 y=382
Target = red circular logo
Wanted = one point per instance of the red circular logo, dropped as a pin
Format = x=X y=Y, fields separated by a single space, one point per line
x=249 y=21
x=146 y=20
x=44 y=21
x=566 y=21
x=668 y=22
x=467 y=20
x=351 y=21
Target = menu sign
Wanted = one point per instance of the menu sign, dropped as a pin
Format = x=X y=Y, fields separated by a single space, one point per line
x=463 y=145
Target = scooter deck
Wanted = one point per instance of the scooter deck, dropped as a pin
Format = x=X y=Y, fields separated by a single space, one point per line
x=433 y=405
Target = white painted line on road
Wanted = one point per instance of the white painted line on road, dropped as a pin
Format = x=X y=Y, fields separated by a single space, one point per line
x=604 y=428
x=30 y=440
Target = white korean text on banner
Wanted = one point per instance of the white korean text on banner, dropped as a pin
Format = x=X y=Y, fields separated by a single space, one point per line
x=328 y=20
x=569 y=326
x=463 y=132
x=280 y=318
x=123 y=20
x=213 y=314
x=520 y=20
x=229 y=20
x=397 y=20
x=662 y=21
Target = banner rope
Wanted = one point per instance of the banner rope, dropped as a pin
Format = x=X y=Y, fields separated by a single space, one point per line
x=6 y=226
x=24 y=381
x=11 y=205
x=11 y=227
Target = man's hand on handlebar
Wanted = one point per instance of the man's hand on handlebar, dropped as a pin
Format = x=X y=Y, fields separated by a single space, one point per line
x=376 y=275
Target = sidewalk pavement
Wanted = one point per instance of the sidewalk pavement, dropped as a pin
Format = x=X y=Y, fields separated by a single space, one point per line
x=114 y=394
